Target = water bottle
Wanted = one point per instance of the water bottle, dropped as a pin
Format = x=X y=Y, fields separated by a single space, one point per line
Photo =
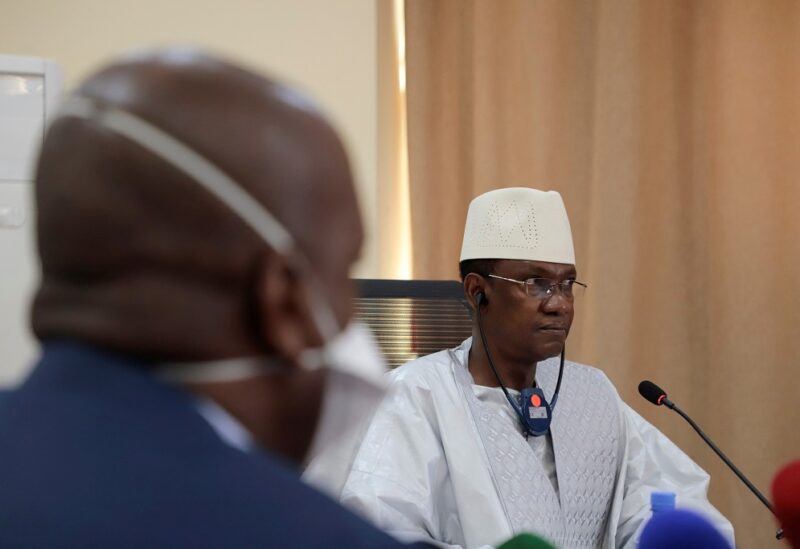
x=662 y=501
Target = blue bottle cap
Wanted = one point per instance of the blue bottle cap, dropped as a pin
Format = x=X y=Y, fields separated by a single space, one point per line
x=662 y=501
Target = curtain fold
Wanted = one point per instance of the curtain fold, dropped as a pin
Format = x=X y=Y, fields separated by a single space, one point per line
x=672 y=130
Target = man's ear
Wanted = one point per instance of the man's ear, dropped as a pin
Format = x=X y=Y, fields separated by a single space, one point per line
x=475 y=284
x=284 y=320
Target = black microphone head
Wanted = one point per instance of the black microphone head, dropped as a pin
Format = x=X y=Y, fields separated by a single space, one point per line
x=652 y=392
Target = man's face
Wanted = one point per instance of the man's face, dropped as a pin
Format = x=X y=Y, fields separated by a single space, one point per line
x=523 y=327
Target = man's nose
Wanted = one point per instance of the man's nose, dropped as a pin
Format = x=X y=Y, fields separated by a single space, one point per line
x=557 y=303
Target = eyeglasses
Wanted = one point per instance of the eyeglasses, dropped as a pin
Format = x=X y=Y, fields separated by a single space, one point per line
x=544 y=288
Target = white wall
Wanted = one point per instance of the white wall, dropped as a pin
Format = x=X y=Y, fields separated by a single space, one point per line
x=29 y=88
x=326 y=47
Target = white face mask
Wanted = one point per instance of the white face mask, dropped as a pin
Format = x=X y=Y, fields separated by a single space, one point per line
x=354 y=387
x=355 y=384
x=355 y=381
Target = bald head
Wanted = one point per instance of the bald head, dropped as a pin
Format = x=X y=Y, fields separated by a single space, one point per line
x=138 y=256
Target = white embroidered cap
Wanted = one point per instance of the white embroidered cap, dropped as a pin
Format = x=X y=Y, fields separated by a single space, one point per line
x=518 y=223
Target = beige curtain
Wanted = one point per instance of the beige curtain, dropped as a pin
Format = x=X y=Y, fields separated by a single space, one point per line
x=672 y=129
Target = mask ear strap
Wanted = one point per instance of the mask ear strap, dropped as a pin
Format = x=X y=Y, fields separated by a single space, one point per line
x=176 y=153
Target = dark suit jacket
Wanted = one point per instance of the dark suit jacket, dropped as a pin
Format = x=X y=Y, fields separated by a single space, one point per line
x=95 y=452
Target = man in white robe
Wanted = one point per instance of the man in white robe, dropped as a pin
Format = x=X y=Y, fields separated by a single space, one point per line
x=447 y=459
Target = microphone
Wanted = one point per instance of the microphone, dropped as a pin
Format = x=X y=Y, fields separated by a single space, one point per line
x=658 y=396
x=681 y=528
x=655 y=394
x=786 y=495
x=526 y=541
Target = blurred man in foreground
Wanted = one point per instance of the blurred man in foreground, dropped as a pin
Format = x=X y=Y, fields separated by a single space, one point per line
x=196 y=227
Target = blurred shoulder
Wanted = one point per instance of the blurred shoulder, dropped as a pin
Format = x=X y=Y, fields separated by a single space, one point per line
x=424 y=371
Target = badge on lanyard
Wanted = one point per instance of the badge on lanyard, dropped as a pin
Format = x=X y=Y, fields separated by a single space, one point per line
x=536 y=411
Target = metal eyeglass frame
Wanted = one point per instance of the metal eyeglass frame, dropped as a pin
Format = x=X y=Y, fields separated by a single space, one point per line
x=549 y=292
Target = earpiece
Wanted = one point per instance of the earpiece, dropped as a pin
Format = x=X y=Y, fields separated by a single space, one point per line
x=480 y=299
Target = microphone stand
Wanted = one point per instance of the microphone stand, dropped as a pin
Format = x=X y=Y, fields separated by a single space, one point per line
x=672 y=406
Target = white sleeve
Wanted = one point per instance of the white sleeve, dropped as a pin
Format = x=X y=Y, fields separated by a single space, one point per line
x=651 y=462
x=399 y=477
